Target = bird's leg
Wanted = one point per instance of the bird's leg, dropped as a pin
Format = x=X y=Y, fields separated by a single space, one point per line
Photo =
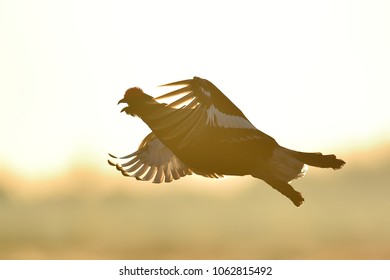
x=287 y=190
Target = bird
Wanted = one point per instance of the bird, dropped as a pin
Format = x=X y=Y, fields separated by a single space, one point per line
x=202 y=132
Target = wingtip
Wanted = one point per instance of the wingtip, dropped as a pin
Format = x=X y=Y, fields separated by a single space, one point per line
x=118 y=167
x=111 y=163
x=111 y=155
x=125 y=174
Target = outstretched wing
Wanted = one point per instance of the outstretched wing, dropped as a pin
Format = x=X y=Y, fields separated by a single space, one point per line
x=208 y=116
x=153 y=160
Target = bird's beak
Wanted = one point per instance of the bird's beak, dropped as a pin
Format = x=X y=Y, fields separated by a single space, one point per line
x=122 y=101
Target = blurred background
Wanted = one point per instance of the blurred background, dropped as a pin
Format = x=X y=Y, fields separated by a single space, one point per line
x=314 y=75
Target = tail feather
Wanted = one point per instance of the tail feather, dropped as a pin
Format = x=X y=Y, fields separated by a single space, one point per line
x=319 y=160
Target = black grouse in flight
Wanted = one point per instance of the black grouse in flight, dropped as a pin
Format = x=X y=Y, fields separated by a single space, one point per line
x=203 y=132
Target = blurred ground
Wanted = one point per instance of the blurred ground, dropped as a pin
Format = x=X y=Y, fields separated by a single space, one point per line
x=100 y=215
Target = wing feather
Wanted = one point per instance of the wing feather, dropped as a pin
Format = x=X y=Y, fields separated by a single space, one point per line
x=184 y=99
x=175 y=92
x=152 y=171
x=159 y=176
x=141 y=171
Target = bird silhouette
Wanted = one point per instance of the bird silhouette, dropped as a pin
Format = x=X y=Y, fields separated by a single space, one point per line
x=203 y=132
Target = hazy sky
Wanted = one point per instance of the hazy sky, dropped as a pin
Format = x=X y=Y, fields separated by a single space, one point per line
x=313 y=74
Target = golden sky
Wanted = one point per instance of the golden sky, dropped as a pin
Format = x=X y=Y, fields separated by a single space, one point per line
x=312 y=74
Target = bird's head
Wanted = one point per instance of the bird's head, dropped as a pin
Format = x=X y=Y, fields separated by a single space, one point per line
x=132 y=97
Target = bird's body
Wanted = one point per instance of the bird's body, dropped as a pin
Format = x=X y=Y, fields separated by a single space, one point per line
x=211 y=137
